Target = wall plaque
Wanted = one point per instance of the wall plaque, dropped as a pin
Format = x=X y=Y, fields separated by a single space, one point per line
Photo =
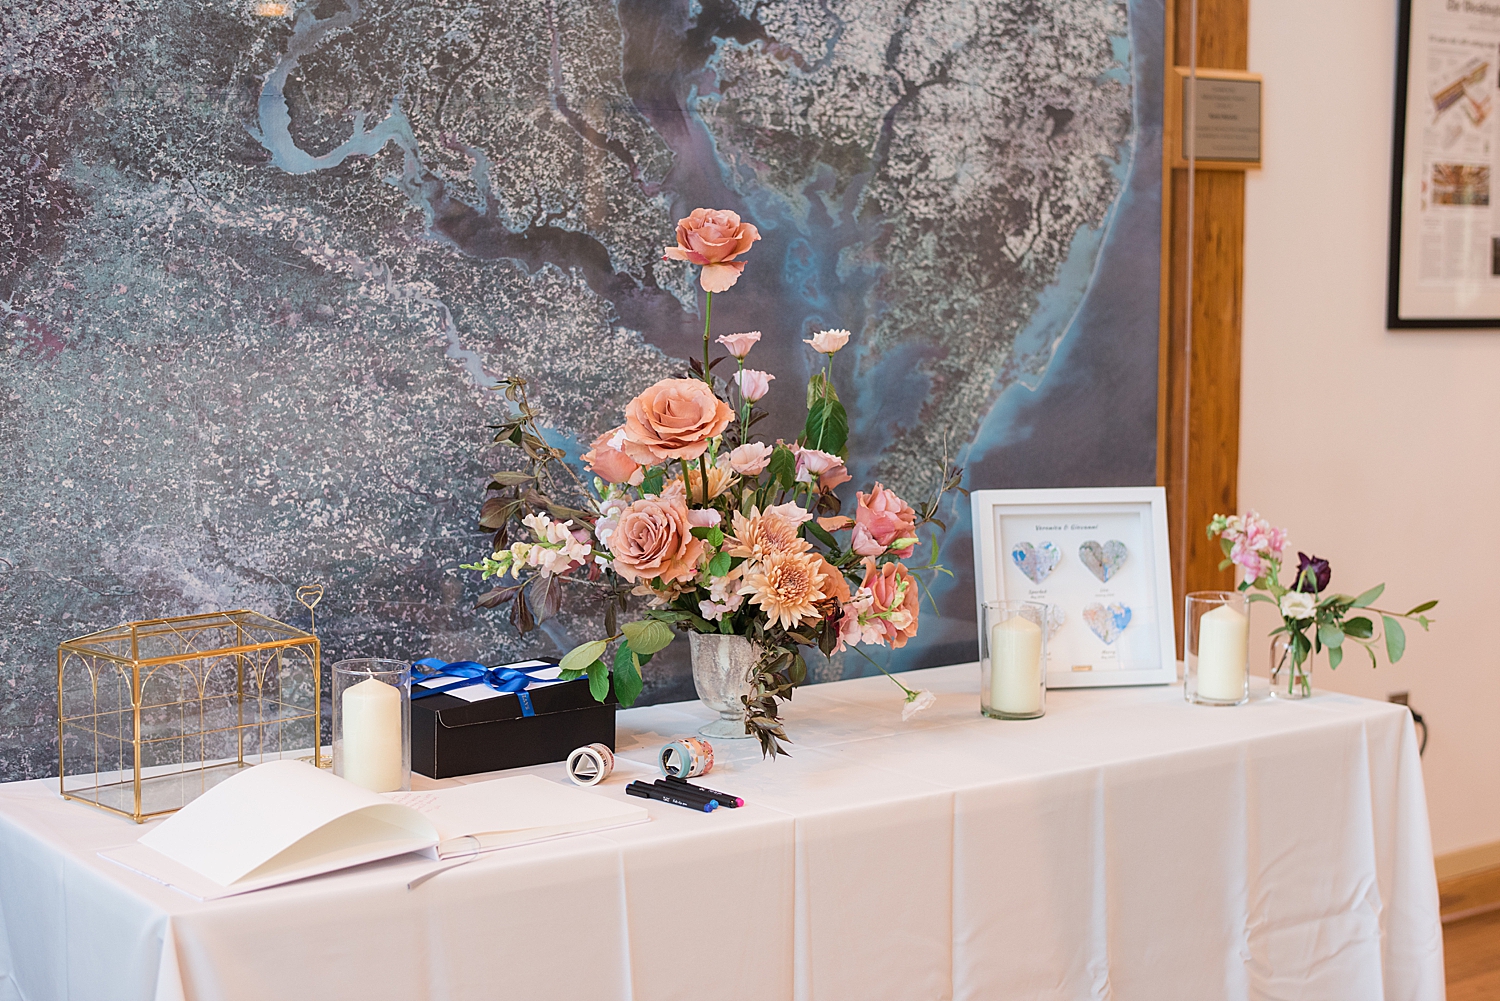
x=1227 y=136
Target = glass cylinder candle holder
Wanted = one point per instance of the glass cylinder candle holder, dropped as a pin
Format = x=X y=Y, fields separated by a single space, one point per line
x=1216 y=640
x=372 y=723
x=1013 y=660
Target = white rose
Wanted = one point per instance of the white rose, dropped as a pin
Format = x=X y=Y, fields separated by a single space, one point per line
x=1298 y=605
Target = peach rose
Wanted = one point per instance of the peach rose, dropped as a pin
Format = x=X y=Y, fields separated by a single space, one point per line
x=894 y=604
x=674 y=419
x=612 y=465
x=739 y=345
x=881 y=518
x=713 y=238
x=833 y=584
x=750 y=459
x=753 y=383
x=654 y=539
x=826 y=342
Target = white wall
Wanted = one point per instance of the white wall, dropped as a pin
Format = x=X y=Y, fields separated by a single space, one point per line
x=1377 y=450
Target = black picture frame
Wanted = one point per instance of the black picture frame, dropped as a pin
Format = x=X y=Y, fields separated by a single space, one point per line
x=1393 y=318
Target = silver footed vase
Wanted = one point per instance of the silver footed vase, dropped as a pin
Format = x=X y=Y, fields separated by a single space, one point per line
x=722 y=670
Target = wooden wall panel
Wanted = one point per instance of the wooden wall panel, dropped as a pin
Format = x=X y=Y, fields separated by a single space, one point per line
x=1199 y=429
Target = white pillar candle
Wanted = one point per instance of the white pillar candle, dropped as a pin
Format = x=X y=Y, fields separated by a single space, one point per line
x=1223 y=647
x=1016 y=666
x=371 y=755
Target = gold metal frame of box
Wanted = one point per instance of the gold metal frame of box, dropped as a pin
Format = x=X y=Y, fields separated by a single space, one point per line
x=175 y=715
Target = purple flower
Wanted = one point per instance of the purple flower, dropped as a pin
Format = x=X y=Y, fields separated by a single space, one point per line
x=1313 y=574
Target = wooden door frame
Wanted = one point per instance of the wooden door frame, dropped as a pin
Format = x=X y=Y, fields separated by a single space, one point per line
x=1208 y=428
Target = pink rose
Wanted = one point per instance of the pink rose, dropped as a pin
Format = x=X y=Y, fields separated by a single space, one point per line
x=894 y=601
x=750 y=459
x=881 y=518
x=753 y=383
x=674 y=419
x=713 y=238
x=826 y=342
x=612 y=465
x=704 y=517
x=654 y=539
x=829 y=469
x=739 y=345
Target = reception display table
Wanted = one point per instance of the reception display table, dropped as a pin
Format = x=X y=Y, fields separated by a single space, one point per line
x=1125 y=846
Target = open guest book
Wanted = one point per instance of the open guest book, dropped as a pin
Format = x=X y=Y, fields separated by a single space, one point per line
x=285 y=820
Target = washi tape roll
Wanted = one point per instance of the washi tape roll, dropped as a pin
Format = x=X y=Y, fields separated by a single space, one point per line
x=591 y=764
x=686 y=757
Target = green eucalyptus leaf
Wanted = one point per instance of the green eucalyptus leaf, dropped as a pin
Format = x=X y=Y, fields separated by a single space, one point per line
x=1335 y=655
x=646 y=636
x=1331 y=636
x=1395 y=638
x=579 y=658
x=1359 y=627
x=1364 y=600
x=1425 y=606
x=569 y=674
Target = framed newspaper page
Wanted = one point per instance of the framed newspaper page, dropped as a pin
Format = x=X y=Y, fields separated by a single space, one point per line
x=1098 y=559
x=1445 y=207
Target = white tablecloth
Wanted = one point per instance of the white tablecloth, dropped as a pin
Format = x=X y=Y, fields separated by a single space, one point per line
x=1126 y=846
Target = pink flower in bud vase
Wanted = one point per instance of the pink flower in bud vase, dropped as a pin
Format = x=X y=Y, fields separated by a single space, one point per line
x=753 y=383
x=826 y=342
x=750 y=459
x=739 y=345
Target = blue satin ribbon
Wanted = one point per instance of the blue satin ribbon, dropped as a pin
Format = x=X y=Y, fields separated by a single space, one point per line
x=512 y=680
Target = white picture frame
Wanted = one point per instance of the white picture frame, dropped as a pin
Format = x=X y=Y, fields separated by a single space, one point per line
x=1125 y=576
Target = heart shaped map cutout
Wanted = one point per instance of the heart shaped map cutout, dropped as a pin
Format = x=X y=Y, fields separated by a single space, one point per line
x=1036 y=562
x=1107 y=623
x=1103 y=561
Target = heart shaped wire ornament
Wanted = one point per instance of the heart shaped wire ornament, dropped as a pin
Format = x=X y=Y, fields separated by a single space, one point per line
x=309 y=595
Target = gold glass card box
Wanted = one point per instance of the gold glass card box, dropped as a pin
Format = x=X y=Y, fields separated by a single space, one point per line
x=153 y=714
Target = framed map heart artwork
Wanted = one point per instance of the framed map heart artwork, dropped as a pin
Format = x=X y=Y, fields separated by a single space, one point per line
x=1099 y=559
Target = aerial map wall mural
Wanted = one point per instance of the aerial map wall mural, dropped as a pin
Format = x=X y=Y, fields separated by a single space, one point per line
x=261 y=262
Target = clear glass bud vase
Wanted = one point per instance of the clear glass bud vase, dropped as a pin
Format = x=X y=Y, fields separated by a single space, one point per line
x=722 y=669
x=1289 y=680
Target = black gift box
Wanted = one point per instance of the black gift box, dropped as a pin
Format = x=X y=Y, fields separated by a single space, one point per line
x=450 y=736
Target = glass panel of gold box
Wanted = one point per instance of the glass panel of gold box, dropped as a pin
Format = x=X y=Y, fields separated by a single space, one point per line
x=153 y=714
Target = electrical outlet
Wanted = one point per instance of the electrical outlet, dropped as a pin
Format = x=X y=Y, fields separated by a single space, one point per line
x=1400 y=698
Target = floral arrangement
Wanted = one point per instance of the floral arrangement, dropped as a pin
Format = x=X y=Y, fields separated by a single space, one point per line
x=1312 y=618
x=719 y=532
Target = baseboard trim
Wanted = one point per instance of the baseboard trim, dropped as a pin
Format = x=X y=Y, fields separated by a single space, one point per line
x=1465 y=896
x=1467 y=861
